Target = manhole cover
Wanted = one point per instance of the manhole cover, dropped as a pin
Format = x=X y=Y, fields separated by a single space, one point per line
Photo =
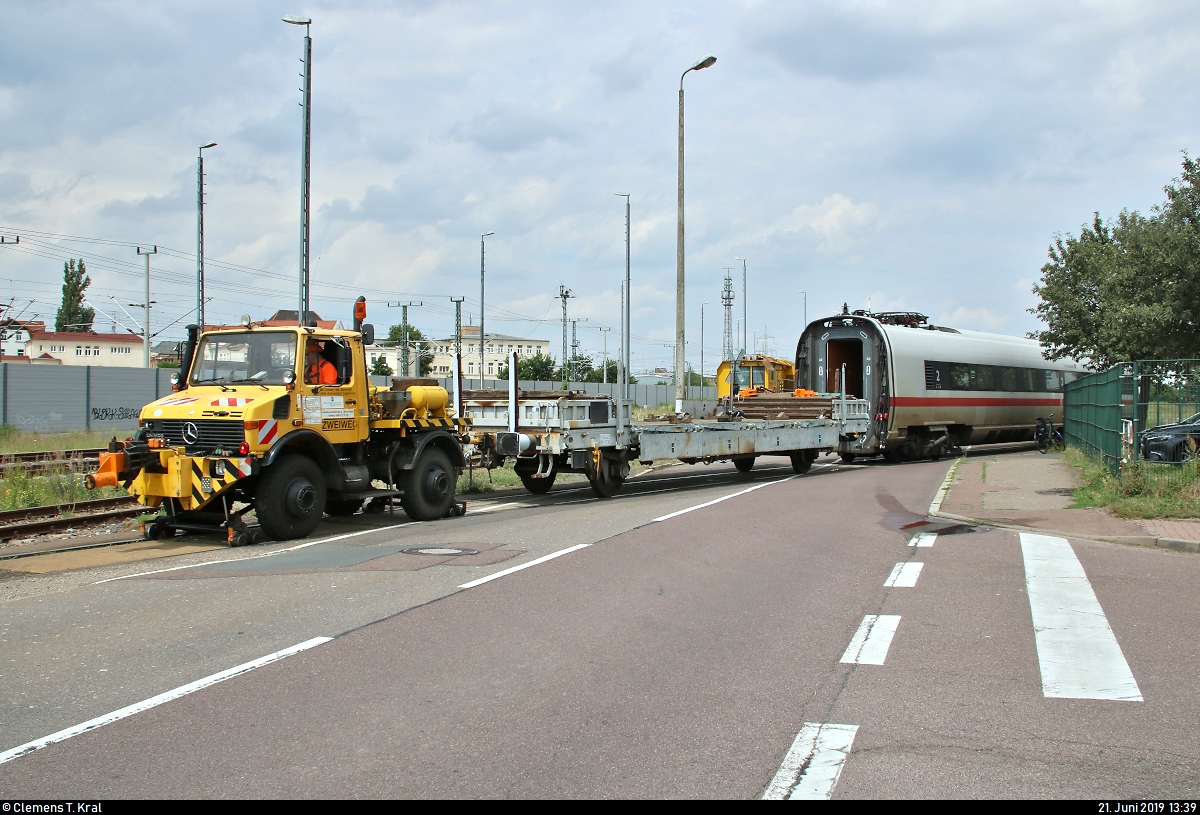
x=439 y=551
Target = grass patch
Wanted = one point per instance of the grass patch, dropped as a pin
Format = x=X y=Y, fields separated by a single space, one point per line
x=640 y=412
x=20 y=490
x=1142 y=491
x=13 y=440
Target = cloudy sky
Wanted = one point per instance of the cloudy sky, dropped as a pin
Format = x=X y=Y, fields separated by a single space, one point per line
x=916 y=155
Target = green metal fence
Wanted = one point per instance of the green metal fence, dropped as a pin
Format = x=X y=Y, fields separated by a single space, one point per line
x=1137 y=413
x=1092 y=407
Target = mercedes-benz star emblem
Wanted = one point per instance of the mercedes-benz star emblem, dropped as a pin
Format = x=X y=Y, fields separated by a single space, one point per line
x=191 y=433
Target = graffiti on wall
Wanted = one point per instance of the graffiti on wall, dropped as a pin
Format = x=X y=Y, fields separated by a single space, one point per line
x=115 y=414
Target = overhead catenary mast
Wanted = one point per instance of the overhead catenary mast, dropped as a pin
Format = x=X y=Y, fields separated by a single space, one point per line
x=727 y=296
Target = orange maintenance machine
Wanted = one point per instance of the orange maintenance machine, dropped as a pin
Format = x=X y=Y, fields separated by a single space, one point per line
x=245 y=429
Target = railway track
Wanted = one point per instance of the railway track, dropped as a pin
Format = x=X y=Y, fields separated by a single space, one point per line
x=39 y=462
x=21 y=523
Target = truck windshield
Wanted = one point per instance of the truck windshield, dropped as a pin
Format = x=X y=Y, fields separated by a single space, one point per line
x=257 y=357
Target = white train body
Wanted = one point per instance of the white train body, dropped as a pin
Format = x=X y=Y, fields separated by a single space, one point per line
x=931 y=387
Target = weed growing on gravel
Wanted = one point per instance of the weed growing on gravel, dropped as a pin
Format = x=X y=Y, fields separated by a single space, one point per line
x=1142 y=491
x=20 y=490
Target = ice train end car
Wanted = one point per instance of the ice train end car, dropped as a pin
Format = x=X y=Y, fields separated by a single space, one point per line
x=931 y=388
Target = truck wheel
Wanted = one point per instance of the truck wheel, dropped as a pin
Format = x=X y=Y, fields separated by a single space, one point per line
x=743 y=464
x=429 y=492
x=802 y=461
x=847 y=458
x=290 y=498
x=342 y=507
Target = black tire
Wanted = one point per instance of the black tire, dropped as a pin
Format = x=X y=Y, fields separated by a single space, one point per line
x=743 y=464
x=847 y=458
x=1060 y=443
x=607 y=487
x=537 y=486
x=290 y=498
x=342 y=507
x=802 y=461
x=429 y=488
x=894 y=455
x=1042 y=445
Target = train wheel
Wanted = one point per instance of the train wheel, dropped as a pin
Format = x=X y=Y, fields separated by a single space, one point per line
x=847 y=458
x=894 y=455
x=743 y=464
x=538 y=486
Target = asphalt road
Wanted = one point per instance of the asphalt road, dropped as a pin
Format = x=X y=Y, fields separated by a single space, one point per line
x=677 y=657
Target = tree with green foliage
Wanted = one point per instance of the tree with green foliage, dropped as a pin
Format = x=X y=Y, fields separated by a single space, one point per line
x=380 y=367
x=597 y=374
x=1130 y=288
x=418 y=346
x=538 y=367
x=73 y=315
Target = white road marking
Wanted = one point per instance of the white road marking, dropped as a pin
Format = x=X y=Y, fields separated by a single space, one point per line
x=871 y=641
x=936 y=505
x=155 y=701
x=814 y=763
x=264 y=554
x=1078 y=653
x=923 y=539
x=500 y=507
x=542 y=559
x=904 y=575
x=722 y=498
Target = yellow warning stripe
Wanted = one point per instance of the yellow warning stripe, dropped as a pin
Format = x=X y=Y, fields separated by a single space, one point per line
x=423 y=424
x=204 y=485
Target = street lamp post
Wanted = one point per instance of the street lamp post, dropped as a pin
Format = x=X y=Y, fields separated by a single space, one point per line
x=199 y=234
x=481 y=270
x=302 y=310
x=680 y=315
x=625 y=331
x=805 y=307
x=146 y=333
x=745 y=325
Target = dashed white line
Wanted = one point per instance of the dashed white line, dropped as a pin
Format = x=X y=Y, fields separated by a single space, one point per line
x=814 y=763
x=870 y=643
x=155 y=701
x=935 y=506
x=904 y=575
x=923 y=539
x=722 y=498
x=1078 y=653
x=542 y=559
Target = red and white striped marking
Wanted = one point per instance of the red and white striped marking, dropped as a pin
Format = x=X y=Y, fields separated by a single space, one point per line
x=242 y=465
x=231 y=401
x=268 y=431
x=176 y=401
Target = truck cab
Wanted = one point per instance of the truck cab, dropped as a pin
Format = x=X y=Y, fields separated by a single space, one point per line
x=285 y=421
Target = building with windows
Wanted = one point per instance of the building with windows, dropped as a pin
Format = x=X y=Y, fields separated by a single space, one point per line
x=496 y=352
x=14 y=335
x=86 y=348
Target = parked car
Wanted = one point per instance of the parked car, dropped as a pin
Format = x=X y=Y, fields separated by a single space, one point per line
x=1170 y=442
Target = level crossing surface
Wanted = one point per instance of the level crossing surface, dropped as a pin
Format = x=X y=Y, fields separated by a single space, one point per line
x=746 y=636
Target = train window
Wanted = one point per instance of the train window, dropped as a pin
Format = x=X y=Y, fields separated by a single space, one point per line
x=1054 y=381
x=1006 y=379
x=983 y=378
x=758 y=376
x=960 y=376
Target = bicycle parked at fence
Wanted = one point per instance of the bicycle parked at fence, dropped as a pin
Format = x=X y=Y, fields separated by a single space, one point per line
x=1047 y=435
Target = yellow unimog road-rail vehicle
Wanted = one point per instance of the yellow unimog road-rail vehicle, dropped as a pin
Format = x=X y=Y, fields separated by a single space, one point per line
x=285 y=421
x=757 y=374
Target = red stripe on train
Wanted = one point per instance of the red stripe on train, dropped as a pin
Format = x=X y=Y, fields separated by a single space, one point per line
x=947 y=401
